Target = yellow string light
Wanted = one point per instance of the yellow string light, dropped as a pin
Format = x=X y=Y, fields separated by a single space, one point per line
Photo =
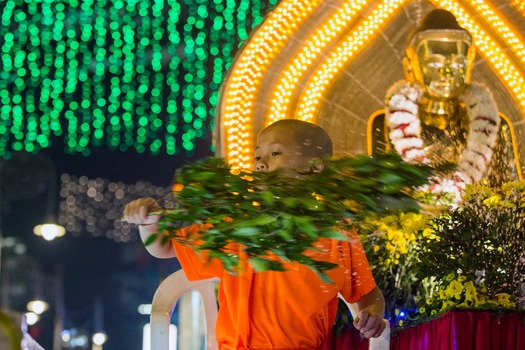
x=309 y=52
x=246 y=77
x=520 y=5
x=272 y=37
x=341 y=55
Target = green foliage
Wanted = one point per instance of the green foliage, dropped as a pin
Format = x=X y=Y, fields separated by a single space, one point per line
x=471 y=256
x=485 y=235
x=457 y=291
x=390 y=244
x=269 y=214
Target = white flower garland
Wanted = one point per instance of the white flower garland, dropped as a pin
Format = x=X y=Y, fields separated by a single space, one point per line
x=405 y=133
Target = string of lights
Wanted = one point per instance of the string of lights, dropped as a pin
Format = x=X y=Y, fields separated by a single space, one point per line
x=135 y=74
x=94 y=206
x=301 y=86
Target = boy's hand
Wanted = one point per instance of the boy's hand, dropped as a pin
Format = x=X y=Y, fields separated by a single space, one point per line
x=136 y=212
x=370 y=324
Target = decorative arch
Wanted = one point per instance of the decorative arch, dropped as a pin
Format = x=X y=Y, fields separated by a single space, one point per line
x=289 y=71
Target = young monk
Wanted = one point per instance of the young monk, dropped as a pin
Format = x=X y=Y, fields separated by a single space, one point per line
x=288 y=310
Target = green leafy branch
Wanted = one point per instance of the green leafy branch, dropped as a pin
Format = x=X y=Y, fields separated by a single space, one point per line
x=269 y=214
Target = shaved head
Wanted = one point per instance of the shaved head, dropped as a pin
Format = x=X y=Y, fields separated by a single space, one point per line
x=314 y=140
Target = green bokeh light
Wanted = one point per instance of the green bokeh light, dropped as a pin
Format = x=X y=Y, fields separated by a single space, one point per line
x=141 y=74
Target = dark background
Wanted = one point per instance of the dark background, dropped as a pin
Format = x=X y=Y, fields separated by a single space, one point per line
x=104 y=281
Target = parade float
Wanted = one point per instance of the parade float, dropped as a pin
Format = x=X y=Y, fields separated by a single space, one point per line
x=370 y=73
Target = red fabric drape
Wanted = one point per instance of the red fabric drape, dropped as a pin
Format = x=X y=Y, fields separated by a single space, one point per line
x=465 y=330
x=348 y=339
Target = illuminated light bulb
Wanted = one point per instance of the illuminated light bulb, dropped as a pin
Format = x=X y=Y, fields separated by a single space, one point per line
x=99 y=338
x=31 y=318
x=37 y=306
x=49 y=231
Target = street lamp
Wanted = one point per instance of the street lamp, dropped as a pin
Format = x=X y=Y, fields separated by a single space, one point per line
x=37 y=306
x=49 y=231
x=98 y=340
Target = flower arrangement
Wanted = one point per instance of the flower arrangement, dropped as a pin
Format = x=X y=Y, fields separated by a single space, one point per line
x=479 y=260
x=470 y=257
x=458 y=291
x=391 y=245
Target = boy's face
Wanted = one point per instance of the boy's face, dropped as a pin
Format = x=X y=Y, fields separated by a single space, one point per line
x=277 y=148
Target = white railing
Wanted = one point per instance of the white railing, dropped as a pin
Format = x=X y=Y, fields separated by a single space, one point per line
x=165 y=299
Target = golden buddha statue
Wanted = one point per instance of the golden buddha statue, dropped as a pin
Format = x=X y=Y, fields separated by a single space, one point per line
x=437 y=115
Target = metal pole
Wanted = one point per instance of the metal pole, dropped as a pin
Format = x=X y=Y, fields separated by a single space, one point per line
x=59 y=308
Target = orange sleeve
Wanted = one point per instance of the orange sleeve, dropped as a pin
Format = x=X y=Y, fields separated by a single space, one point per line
x=360 y=280
x=196 y=265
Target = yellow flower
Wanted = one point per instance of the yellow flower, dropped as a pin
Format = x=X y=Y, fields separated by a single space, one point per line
x=482 y=288
x=492 y=201
x=450 y=276
x=478 y=190
x=447 y=305
x=454 y=289
x=442 y=294
x=422 y=310
x=430 y=301
x=462 y=278
x=504 y=300
x=471 y=296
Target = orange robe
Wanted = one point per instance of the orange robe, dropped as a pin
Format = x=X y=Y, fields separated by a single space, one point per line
x=281 y=310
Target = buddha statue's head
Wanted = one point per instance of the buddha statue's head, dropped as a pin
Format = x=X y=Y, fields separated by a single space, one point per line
x=440 y=54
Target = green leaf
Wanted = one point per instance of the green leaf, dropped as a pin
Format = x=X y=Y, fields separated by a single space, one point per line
x=285 y=234
x=290 y=202
x=152 y=238
x=267 y=197
x=390 y=179
x=262 y=265
x=335 y=234
x=305 y=225
x=246 y=231
x=323 y=276
x=261 y=220
x=281 y=253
